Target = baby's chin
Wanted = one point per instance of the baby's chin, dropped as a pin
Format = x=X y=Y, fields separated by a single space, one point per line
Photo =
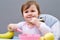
x=28 y=20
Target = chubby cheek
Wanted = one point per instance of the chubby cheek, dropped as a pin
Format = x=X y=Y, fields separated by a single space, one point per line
x=36 y=15
x=25 y=17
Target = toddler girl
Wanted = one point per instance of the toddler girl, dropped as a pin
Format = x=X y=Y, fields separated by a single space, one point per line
x=32 y=25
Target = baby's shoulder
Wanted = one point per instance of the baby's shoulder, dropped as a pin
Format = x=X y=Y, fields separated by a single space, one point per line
x=20 y=24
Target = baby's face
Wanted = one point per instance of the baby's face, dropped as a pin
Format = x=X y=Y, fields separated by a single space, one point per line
x=30 y=13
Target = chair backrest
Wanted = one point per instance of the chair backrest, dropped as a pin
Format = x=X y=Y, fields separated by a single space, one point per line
x=49 y=19
x=53 y=23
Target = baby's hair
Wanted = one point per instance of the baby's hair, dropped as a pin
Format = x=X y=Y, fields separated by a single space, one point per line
x=28 y=4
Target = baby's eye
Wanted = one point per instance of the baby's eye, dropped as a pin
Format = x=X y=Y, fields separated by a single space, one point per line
x=26 y=11
x=32 y=10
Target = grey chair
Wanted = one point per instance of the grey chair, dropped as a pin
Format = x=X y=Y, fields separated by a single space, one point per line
x=53 y=23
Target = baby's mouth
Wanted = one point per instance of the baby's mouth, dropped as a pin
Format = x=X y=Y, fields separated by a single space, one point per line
x=30 y=17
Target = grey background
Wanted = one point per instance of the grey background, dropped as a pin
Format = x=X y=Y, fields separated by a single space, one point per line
x=10 y=11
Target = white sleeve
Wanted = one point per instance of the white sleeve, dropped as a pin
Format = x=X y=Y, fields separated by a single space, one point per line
x=20 y=24
x=44 y=28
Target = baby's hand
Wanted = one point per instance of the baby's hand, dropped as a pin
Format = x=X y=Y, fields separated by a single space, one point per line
x=35 y=21
x=12 y=27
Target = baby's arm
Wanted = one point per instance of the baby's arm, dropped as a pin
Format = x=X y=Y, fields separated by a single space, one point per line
x=44 y=28
x=41 y=26
x=12 y=27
